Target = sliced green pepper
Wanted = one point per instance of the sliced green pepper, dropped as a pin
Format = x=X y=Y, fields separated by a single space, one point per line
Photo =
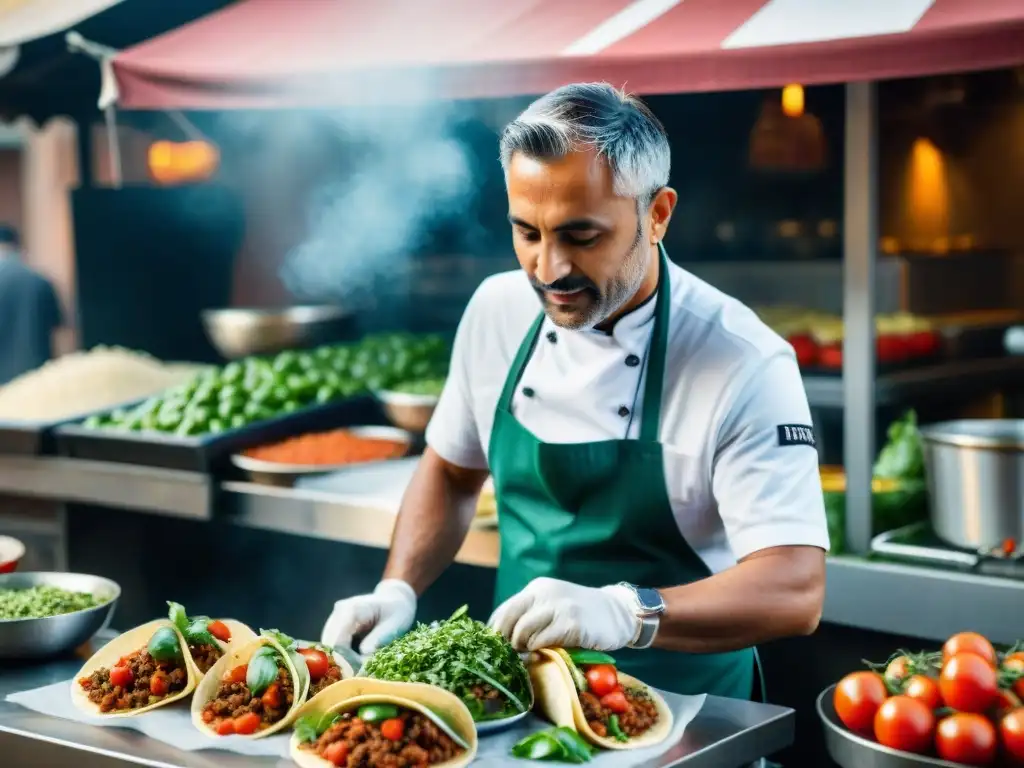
x=584 y=658
x=377 y=713
x=615 y=730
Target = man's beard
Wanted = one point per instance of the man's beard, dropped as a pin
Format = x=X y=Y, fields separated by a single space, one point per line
x=594 y=307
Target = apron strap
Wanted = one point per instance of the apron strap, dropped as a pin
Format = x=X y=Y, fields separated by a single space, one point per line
x=519 y=364
x=650 y=420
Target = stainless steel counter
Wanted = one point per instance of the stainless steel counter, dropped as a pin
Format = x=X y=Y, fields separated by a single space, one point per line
x=918 y=601
x=726 y=734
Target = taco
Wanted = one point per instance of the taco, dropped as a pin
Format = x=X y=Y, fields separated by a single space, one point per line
x=325 y=667
x=208 y=639
x=144 y=668
x=253 y=690
x=583 y=690
x=378 y=724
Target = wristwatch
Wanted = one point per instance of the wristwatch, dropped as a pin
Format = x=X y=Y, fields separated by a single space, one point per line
x=650 y=607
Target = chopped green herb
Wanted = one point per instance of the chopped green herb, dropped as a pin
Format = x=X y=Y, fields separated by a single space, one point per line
x=42 y=601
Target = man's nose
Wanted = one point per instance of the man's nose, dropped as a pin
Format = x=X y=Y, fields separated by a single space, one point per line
x=552 y=265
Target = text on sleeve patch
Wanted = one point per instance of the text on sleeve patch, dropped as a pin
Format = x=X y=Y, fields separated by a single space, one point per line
x=796 y=434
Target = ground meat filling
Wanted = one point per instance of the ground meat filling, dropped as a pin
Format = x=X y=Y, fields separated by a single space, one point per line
x=363 y=745
x=233 y=699
x=491 y=698
x=205 y=656
x=637 y=720
x=332 y=676
x=150 y=683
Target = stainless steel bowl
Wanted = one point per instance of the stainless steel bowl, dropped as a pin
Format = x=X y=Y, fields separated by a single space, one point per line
x=285 y=475
x=408 y=411
x=242 y=332
x=22 y=639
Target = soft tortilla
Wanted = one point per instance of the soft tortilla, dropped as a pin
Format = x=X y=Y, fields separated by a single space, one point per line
x=122 y=645
x=241 y=635
x=559 y=702
x=207 y=688
x=439 y=705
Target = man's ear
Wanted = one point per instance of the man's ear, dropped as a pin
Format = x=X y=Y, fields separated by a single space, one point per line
x=660 y=211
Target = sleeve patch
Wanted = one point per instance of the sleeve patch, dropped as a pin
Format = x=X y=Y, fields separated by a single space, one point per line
x=796 y=434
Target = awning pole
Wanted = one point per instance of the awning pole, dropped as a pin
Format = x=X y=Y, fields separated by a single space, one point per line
x=860 y=244
x=113 y=145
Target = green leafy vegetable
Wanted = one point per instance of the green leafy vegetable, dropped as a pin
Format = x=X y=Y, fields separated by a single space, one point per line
x=178 y=616
x=902 y=457
x=555 y=745
x=164 y=645
x=42 y=601
x=312 y=726
x=615 y=730
x=459 y=655
x=377 y=713
x=585 y=658
x=262 y=670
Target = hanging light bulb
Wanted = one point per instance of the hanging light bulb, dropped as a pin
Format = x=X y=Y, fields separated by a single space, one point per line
x=793 y=100
x=182 y=163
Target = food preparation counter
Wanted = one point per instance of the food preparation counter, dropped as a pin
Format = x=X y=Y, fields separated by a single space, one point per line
x=725 y=734
x=909 y=600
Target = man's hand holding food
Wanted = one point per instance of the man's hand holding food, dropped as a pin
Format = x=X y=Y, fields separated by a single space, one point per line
x=550 y=613
x=384 y=614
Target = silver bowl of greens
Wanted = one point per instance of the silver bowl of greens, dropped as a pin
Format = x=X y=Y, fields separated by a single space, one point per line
x=465 y=657
x=410 y=404
x=241 y=332
x=47 y=614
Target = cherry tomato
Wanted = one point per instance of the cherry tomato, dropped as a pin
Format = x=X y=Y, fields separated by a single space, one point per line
x=968 y=683
x=1011 y=732
x=925 y=690
x=898 y=669
x=337 y=753
x=831 y=356
x=1015 y=656
x=271 y=697
x=247 y=724
x=905 y=723
x=226 y=728
x=220 y=631
x=393 y=729
x=602 y=679
x=1006 y=701
x=316 y=661
x=969 y=642
x=616 y=702
x=237 y=674
x=158 y=685
x=857 y=699
x=121 y=676
x=966 y=738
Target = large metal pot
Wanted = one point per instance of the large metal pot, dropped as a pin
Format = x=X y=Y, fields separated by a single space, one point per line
x=976 y=481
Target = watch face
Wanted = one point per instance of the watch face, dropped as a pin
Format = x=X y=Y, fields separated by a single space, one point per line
x=650 y=600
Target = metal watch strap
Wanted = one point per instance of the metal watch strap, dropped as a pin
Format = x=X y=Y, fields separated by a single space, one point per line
x=648 y=631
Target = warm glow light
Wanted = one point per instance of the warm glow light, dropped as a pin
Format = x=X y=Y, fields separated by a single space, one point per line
x=928 y=193
x=179 y=163
x=793 y=100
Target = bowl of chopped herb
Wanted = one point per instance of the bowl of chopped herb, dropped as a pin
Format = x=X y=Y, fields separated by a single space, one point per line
x=47 y=614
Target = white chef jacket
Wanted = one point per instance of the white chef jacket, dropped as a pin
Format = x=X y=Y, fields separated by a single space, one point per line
x=740 y=462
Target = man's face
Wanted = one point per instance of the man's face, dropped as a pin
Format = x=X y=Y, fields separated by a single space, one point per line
x=585 y=248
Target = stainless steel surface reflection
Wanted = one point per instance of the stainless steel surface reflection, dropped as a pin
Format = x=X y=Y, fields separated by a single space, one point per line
x=240 y=332
x=25 y=639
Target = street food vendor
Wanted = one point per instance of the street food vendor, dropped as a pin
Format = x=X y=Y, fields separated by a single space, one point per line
x=649 y=438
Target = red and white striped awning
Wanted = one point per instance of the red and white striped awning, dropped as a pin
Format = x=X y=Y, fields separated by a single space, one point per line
x=274 y=53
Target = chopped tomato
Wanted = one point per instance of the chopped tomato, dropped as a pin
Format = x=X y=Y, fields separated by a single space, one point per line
x=271 y=697
x=966 y=738
x=905 y=723
x=158 y=685
x=237 y=674
x=1011 y=731
x=968 y=683
x=226 y=727
x=857 y=699
x=969 y=642
x=121 y=676
x=220 y=631
x=616 y=702
x=831 y=356
x=337 y=753
x=925 y=690
x=247 y=724
x=208 y=716
x=602 y=679
x=393 y=729
x=316 y=661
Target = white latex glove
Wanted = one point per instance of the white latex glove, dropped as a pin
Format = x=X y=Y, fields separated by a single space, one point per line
x=557 y=614
x=385 y=614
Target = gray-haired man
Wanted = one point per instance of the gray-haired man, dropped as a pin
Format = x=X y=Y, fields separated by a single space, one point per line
x=648 y=437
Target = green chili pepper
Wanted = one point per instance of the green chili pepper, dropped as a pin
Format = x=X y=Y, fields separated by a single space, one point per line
x=615 y=730
x=584 y=658
x=377 y=713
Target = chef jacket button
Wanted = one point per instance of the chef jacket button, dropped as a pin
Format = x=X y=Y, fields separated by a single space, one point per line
x=623 y=411
x=632 y=361
x=552 y=337
x=528 y=392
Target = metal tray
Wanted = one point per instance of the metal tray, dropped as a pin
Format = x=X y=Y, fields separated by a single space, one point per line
x=35 y=438
x=852 y=751
x=209 y=453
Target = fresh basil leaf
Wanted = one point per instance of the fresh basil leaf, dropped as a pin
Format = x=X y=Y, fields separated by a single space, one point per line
x=261 y=673
x=538 y=746
x=178 y=616
x=164 y=645
x=198 y=632
x=574 y=743
x=327 y=719
x=279 y=637
x=306 y=728
x=585 y=658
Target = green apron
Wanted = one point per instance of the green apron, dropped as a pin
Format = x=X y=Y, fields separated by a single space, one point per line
x=599 y=513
